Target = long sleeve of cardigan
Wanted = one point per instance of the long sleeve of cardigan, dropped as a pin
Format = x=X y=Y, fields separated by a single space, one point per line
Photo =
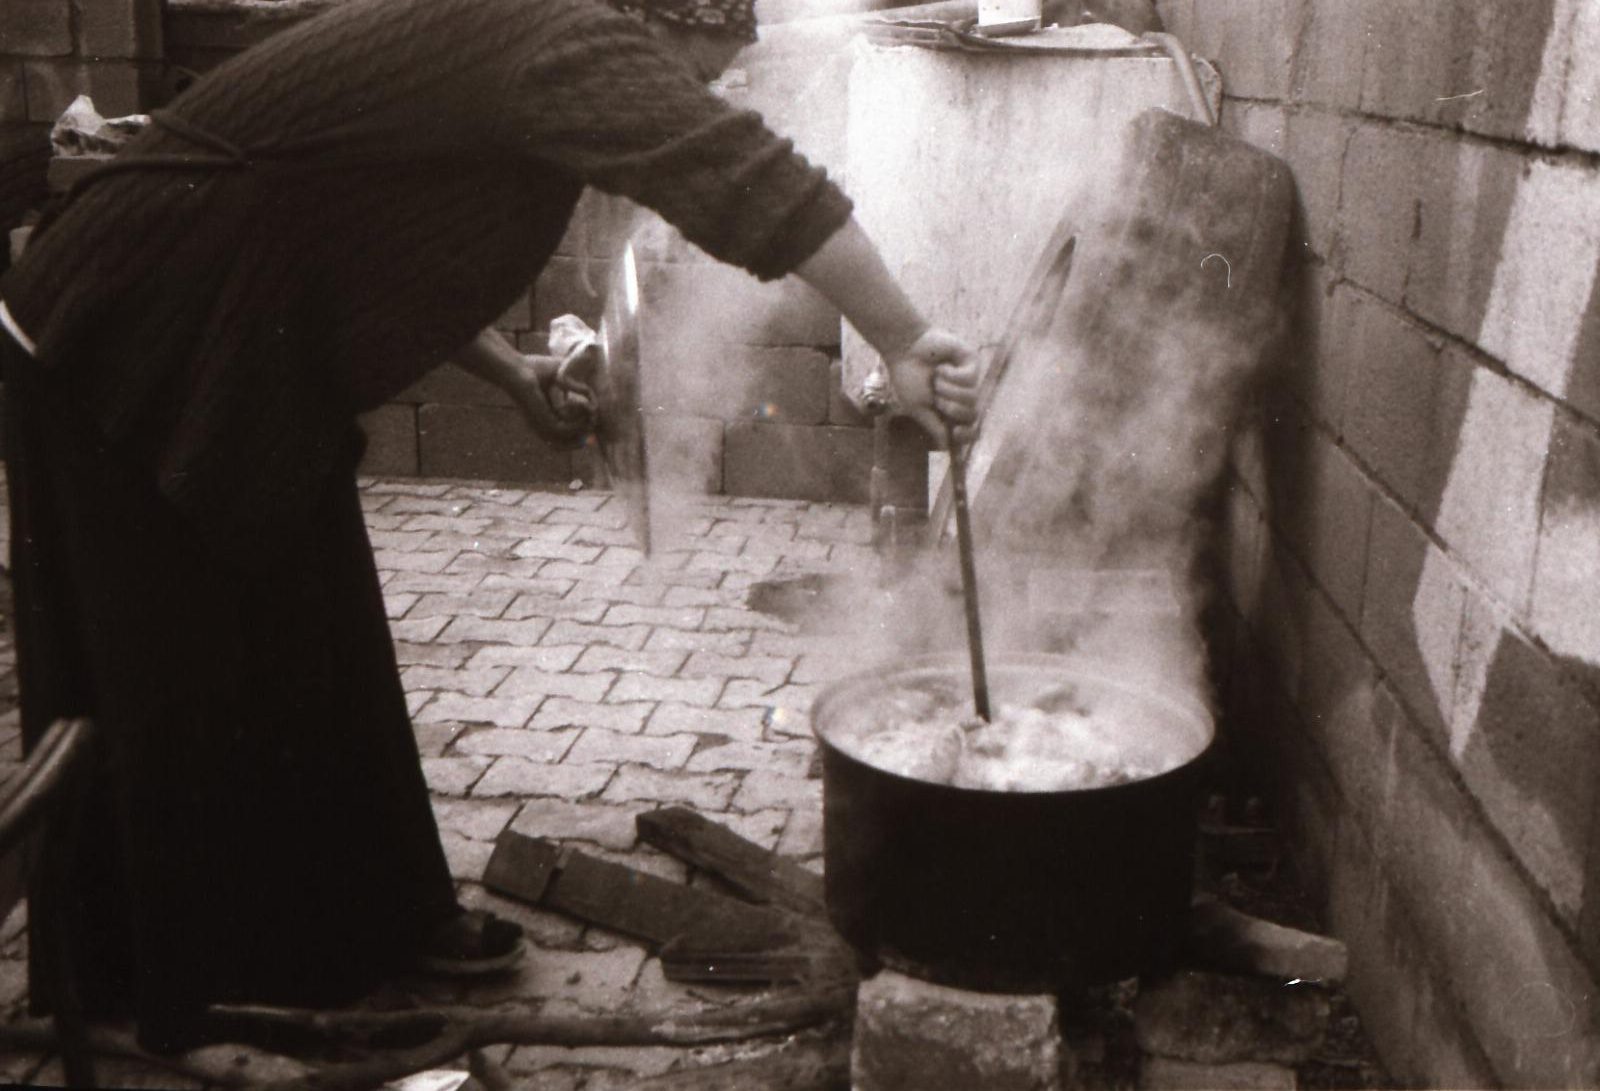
x=606 y=103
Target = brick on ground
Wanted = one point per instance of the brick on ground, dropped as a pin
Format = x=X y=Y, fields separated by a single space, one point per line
x=705 y=792
x=911 y=1033
x=1165 y=1074
x=1218 y=1019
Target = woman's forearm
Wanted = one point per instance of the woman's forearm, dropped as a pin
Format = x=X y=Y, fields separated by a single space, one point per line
x=494 y=359
x=850 y=274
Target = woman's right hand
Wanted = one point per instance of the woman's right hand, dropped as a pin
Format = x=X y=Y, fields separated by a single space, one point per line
x=936 y=382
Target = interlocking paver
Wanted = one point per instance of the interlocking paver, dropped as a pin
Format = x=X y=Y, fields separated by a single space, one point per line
x=747 y=724
x=531 y=681
x=557 y=712
x=732 y=642
x=557 y=551
x=409 y=654
x=418 y=632
x=647 y=687
x=545 y=657
x=664 y=752
x=571 y=570
x=448 y=581
x=790 y=759
x=633 y=593
x=472 y=683
x=760 y=790
x=502 y=711
x=481 y=821
x=495 y=630
x=494 y=742
x=453 y=776
x=543 y=605
x=577 y=632
x=520 y=777
x=638 y=784
x=771 y=669
x=662 y=661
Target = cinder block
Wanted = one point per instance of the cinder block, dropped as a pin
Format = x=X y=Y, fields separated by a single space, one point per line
x=486 y=442
x=685 y=454
x=1257 y=47
x=712 y=301
x=1407 y=403
x=797 y=462
x=1424 y=61
x=1465 y=190
x=1221 y=1018
x=36 y=28
x=1518 y=44
x=1280 y=613
x=1545 y=274
x=118 y=88
x=391 y=432
x=913 y=1034
x=518 y=317
x=1338 y=512
x=1165 y=1074
x=736 y=382
x=1580 y=106
x=1326 y=70
x=450 y=385
x=1425 y=825
x=120 y=28
x=1258 y=123
x=1314 y=146
x=1339 y=701
x=1411 y=616
x=1518 y=976
x=1525 y=744
x=1488 y=512
x=1566 y=580
x=1378 y=196
x=841 y=410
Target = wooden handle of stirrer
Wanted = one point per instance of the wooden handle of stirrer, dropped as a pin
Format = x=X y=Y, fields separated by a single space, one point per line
x=969 y=578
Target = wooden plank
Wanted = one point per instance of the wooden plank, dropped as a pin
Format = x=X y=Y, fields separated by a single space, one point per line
x=818 y=1065
x=521 y=866
x=800 y=950
x=760 y=875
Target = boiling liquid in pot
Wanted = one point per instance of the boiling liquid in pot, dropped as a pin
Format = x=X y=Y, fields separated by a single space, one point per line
x=1047 y=734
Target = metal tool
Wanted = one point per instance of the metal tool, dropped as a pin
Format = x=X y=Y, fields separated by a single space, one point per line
x=969 y=579
x=620 y=423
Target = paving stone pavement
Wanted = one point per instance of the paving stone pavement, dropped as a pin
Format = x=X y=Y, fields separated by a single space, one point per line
x=560 y=684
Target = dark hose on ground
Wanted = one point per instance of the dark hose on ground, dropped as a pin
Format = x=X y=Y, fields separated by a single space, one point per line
x=969 y=579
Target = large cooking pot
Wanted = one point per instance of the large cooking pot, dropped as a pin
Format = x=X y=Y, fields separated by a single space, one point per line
x=1011 y=891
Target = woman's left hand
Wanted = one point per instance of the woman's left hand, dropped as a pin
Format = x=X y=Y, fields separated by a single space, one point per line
x=936 y=380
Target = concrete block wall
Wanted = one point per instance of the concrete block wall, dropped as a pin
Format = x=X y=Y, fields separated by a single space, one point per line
x=1410 y=642
x=50 y=52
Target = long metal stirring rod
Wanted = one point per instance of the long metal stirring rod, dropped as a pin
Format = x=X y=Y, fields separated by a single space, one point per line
x=969 y=578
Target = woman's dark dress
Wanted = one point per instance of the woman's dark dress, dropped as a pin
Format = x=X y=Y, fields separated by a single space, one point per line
x=318 y=223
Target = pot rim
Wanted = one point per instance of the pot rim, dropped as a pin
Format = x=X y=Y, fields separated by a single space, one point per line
x=1099 y=670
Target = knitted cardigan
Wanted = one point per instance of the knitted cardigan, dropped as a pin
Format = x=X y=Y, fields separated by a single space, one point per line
x=354 y=199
